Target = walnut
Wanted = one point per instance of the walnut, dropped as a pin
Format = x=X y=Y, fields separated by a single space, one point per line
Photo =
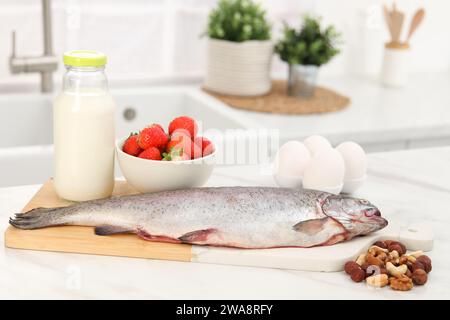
x=402 y=283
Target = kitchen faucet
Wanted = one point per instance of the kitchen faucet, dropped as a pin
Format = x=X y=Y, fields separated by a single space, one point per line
x=45 y=64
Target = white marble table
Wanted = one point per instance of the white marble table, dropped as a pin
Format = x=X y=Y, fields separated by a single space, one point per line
x=410 y=185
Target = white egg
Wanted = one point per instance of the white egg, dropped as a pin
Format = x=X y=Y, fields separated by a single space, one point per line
x=355 y=160
x=290 y=163
x=325 y=172
x=316 y=143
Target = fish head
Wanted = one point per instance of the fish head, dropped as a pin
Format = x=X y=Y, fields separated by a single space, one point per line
x=357 y=216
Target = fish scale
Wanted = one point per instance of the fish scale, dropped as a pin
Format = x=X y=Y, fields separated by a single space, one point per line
x=244 y=217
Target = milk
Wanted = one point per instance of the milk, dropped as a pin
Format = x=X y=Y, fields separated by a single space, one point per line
x=84 y=144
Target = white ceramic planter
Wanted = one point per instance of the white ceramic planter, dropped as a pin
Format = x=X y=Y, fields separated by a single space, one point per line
x=239 y=68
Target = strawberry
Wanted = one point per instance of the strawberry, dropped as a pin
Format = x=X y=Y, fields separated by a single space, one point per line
x=176 y=155
x=185 y=123
x=153 y=136
x=179 y=142
x=205 y=144
x=182 y=144
x=131 y=145
x=151 y=153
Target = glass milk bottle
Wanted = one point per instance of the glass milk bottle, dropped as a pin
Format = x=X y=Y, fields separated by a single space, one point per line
x=83 y=124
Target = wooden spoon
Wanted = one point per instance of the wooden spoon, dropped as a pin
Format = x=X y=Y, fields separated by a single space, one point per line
x=415 y=22
x=397 y=18
x=387 y=18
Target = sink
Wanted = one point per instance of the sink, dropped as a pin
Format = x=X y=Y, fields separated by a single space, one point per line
x=26 y=151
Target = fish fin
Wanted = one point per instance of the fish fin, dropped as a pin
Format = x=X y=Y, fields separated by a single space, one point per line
x=146 y=236
x=197 y=236
x=312 y=226
x=108 y=229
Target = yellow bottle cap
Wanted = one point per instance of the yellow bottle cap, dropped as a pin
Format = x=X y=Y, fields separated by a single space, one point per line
x=84 y=58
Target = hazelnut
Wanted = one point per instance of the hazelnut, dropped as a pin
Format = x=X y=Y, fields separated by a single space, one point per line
x=381 y=244
x=350 y=266
x=402 y=283
x=365 y=265
x=388 y=242
x=403 y=248
x=413 y=266
x=426 y=262
x=395 y=247
x=358 y=275
x=419 y=277
x=408 y=273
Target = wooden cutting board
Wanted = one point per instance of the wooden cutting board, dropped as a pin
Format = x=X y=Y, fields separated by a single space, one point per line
x=76 y=239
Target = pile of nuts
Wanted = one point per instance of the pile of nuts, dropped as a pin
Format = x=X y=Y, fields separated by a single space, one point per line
x=386 y=262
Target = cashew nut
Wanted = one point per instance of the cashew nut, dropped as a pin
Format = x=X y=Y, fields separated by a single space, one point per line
x=396 y=271
x=411 y=258
x=393 y=255
x=375 y=250
x=379 y=280
x=416 y=254
x=361 y=259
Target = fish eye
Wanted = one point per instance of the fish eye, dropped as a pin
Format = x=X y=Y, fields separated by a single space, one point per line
x=363 y=201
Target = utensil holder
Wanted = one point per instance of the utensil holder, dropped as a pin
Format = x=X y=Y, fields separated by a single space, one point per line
x=394 y=72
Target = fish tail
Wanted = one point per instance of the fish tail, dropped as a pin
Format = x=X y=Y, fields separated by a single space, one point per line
x=41 y=218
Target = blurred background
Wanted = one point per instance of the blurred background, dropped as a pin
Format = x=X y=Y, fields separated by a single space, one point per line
x=158 y=58
x=160 y=40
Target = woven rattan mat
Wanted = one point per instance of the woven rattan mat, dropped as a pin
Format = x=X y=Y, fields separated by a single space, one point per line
x=277 y=101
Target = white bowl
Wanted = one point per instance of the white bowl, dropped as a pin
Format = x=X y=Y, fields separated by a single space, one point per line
x=152 y=175
x=351 y=186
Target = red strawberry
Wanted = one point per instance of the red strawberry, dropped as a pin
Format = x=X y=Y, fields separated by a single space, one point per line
x=153 y=136
x=131 y=145
x=179 y=142
x=185 y=123
x=176 y=155
x=151 y=153
x=205 y=144
x=182 y=144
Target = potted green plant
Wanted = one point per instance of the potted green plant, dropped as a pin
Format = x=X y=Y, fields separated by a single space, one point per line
x=239 y=49
x=305 y=50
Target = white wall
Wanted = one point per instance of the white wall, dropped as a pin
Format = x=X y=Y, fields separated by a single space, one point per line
x=161 y=38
